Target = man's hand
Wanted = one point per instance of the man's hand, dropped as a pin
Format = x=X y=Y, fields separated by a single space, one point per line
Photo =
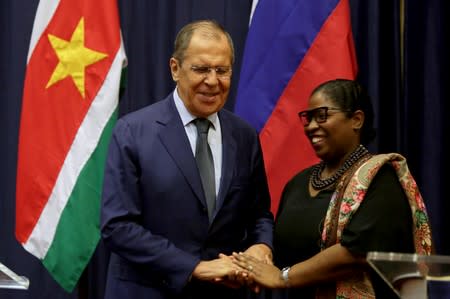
x=221 y=270
x=260 y=252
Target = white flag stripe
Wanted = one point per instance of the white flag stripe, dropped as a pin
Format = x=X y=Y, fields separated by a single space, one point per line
x=252 y=11
x=84 y=144
x=44 y=13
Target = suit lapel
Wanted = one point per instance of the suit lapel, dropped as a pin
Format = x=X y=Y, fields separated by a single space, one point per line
x=229 y=151
x=174 y=138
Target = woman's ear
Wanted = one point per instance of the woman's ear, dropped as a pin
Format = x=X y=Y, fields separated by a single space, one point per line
x=357 y=120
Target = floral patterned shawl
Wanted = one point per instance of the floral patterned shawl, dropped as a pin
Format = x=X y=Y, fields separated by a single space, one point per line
x=347 y=198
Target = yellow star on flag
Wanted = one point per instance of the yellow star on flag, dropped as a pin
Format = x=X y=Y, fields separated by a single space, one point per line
x=73 y=57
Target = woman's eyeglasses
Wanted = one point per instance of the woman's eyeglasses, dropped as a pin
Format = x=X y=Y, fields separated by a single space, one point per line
x=320 y=115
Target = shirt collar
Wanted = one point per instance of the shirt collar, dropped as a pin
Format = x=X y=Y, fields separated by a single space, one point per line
x=186 y=116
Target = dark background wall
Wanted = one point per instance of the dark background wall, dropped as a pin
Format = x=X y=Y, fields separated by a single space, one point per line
x=404 y=71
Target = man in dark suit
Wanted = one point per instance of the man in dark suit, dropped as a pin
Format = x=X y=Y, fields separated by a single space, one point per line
x=167 y=239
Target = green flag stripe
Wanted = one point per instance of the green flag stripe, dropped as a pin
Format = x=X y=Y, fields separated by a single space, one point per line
x=78 y=230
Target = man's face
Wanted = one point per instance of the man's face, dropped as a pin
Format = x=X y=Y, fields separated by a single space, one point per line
x=203 y=93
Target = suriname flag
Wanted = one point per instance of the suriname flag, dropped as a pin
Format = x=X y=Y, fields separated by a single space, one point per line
x=69 y=107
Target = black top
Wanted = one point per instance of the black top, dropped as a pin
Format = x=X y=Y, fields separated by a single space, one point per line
x=383 y=222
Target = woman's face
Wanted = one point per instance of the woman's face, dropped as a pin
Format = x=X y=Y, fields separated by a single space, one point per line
x=333 y=135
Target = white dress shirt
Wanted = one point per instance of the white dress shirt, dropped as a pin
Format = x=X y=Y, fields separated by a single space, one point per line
x=214 y=135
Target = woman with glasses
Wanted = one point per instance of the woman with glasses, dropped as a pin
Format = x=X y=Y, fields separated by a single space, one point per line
x=333 y=213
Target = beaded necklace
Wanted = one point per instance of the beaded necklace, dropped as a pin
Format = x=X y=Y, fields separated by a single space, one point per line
x=319 y=184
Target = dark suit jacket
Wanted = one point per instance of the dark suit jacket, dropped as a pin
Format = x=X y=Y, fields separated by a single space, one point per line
x=153 y=215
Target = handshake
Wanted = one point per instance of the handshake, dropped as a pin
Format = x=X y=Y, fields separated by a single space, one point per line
x=253 y=268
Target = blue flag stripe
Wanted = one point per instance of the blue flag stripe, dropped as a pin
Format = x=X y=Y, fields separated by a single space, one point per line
x=280 y=34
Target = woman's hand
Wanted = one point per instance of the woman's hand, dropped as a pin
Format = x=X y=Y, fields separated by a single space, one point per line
x=259 y=271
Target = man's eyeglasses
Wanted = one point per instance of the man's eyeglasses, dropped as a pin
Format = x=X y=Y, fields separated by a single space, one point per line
x=320 y=115
x=223 y=72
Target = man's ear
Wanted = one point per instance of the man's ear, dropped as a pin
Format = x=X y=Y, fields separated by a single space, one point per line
x=174 y=69
x=358 y=119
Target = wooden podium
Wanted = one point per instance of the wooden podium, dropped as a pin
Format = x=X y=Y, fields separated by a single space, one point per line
x=412 y=276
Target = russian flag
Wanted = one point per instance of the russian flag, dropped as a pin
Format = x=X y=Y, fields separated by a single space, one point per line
x=292 y=46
